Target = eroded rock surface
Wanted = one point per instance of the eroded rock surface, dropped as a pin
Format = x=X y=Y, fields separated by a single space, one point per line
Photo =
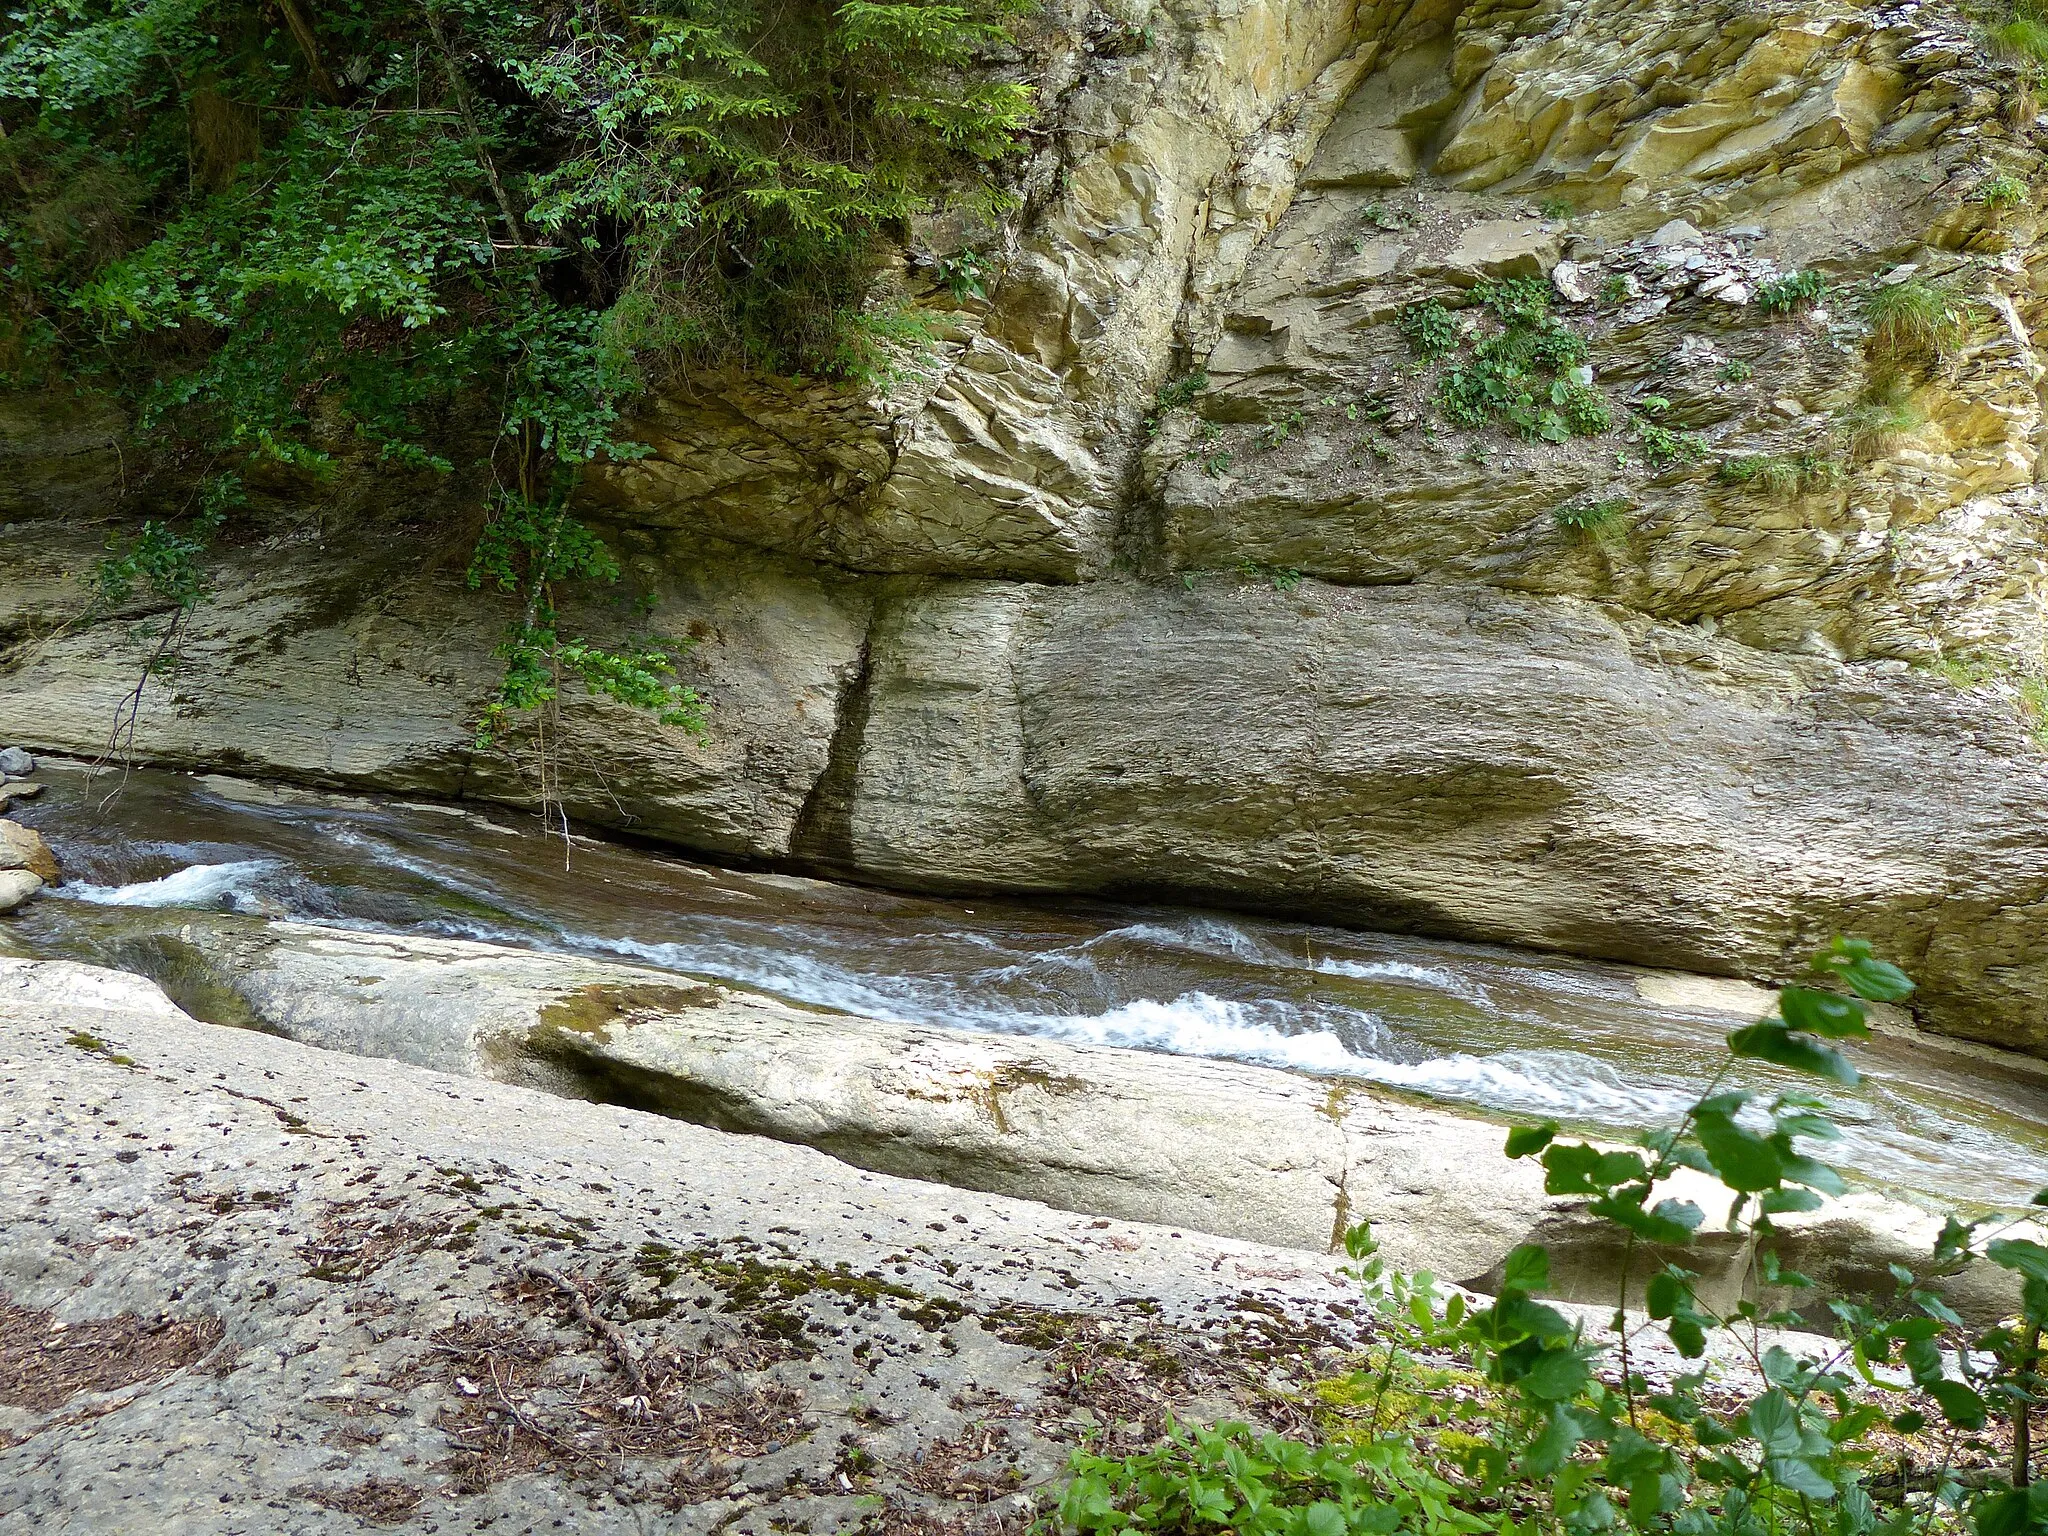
x=1082 y=598
x=1202 y=1145
x=309 y=1291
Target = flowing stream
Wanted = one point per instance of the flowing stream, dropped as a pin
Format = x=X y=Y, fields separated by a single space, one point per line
x=1503 y=1030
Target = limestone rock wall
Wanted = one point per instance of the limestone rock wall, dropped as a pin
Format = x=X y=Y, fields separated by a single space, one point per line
x=1162 y=568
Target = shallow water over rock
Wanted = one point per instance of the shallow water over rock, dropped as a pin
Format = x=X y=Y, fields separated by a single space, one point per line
x=1508 y=1031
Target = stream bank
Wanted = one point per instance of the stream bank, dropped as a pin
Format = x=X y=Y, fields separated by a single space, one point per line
x=988 y=1047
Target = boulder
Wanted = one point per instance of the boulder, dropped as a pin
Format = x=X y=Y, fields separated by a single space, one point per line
x=23 y=848
x=15 y=762
x=16 y=887
x=1496 y=248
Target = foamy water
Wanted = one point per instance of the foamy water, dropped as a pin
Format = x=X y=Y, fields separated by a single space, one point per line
x=197 y=885
x=1509 y=1032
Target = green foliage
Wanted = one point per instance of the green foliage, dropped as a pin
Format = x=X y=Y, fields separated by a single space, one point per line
x=1174 y=395
x=1795 y=290
x=1430 y=329
x=164 y=561
x=1613 y=289
x=1880 y=420
x=1383 y=218
x=1661 y=444
x=1228 y=1478
x=1559 y=1434
x=1915 y=318
x=1736 y=371
x=403 y=222
x=2006 y=190
x=1556 y=208
x=2034 y=706
x=1782 y=475
x=2022 y=40
x=965 y=274
x=1529 y=374
x=1594 y=519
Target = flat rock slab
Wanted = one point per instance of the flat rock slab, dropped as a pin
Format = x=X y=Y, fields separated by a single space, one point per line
x=253 y=1287
x=1213 y=1146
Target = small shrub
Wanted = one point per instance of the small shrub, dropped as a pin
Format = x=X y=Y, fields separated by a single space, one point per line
x=1662 y=445
x=1795 y=290
x=1878 y=422
x=1494 y=1417
x=965 y=274
x=2023 y=40
x=1915 y=318
x=1556 y=208
x=1613 y=289
x=1274 y=433
x=1429 y=328
x=1584 y=408
x=1473 y=394
x=1174 y=395
x=1591 y=517
x=2034 y=706
x=1779 y=475
x=1736 y=371
x=1519 y=303
x=1381 y=217
x=1558 y=347
x=2005 y=190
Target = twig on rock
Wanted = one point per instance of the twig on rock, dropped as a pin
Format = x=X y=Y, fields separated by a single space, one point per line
x=613 y=1336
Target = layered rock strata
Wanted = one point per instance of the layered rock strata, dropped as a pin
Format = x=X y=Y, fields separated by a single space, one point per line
x=1166 y=569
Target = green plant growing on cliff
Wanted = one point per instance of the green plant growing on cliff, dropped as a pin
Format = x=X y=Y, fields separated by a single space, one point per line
x=965 y=275
x=1916 y=318
x=2022 y=38
x=1600 y=521
x=1794 y=290
x=1882 y=418
x=1430 y=330
x=1782 y=475
x=1529 y=374
x=1663 y=445
x=2003 y=191
x=1176 y=394
x=466 y=237
x=1512 y=1417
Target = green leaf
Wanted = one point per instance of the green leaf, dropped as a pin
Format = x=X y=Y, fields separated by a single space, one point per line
x=1665 y=1294
x=1526 y=1269
x=1569 y=1170
x=1856 y=962
x=1562 y=1434
x=1323 y=1518
x=1771 y=1041
x=1557 y=1374
x=1774 y=1423
x=1960 y=1405
x=2019 y=1253
x=1742 y=1160
x=1527 y=1140
x=1673 y=1221
x=1798 y=1475
x=1823 y=1013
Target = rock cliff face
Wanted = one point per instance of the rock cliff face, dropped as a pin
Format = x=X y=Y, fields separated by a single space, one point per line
x=1169 y=566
